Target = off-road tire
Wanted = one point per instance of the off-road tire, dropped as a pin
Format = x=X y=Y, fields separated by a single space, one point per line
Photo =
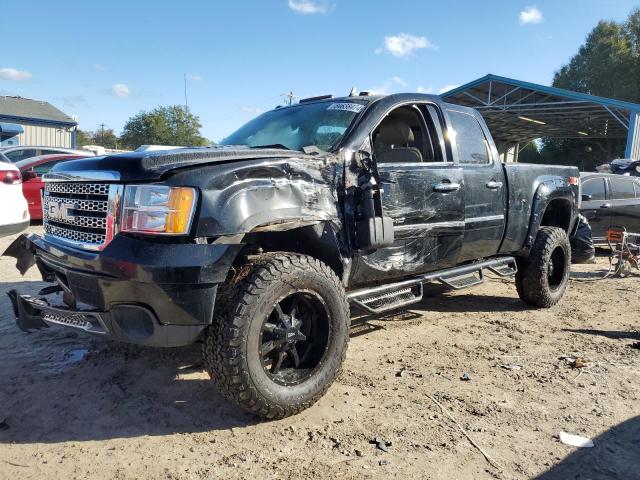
x=226 y=355
x=532 y=279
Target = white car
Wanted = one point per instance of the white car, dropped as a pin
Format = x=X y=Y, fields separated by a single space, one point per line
x=14 y=214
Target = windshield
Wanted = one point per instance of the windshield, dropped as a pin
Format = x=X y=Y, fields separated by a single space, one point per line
x=321 y=124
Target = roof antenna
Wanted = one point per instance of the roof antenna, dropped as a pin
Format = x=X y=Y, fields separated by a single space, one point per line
x=353 y=92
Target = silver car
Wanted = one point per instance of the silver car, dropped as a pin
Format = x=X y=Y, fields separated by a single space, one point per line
x=22 y=152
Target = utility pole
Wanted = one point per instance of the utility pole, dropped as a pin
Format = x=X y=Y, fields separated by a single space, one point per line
x=289 y=97
x=102 y=133
x=186 y=102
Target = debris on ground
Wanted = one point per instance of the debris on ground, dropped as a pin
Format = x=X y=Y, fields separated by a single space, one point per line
x=575 y=362
x=511 y=366
x=381 y=443
x=466 y=434
x=465 y=377
x=575 y=440
x=401 y=372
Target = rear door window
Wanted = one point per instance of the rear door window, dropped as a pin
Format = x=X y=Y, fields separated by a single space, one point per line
x=594 y=188
x=622 y=188
x=473 y=148
x=50 y=152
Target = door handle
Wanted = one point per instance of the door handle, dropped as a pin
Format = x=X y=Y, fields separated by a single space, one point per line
x=605 y=205
x=493 y=185
x=446 y=187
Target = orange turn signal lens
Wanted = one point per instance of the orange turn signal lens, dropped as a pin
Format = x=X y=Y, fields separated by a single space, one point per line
x=158 y=209
x=181 y=204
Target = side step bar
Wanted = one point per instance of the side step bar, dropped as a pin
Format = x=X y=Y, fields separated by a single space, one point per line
x=387 y=297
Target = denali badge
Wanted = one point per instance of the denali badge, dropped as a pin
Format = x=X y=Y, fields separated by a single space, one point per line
x=60 y=211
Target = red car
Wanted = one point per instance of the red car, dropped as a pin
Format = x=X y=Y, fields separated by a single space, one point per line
x=32 y=170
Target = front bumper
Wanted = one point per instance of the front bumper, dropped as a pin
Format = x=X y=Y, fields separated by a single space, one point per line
x=136 y=291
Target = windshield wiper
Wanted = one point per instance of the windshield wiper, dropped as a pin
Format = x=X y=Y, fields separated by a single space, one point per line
x=272 y=145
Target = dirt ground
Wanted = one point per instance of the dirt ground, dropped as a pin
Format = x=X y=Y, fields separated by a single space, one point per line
x=74 y=407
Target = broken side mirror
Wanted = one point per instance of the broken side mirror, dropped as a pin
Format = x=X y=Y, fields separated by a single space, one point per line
x=373 y=230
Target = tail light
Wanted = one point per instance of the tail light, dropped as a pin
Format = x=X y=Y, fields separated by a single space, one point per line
x=10 y=177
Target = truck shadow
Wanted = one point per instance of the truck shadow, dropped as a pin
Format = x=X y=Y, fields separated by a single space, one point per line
x=614 y=456
x=59 y=386
x=613 y=334
x=437 y=298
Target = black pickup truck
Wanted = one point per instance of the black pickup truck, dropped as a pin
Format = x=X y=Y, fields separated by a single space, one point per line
x=258 y=248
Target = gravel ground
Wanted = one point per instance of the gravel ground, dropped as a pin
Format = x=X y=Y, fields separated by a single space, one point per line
x=73 y=406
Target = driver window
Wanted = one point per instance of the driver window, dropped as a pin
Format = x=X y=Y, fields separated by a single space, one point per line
x=401 y=138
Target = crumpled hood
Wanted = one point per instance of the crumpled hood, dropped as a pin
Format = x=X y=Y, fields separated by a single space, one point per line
x=150 y=166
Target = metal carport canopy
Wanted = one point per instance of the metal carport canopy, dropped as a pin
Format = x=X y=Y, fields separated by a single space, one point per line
x=518 y=112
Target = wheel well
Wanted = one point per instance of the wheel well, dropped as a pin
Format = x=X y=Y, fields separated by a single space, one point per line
x=557 y=214
x=318 y=241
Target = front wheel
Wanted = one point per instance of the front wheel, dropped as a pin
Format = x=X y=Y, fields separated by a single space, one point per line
x=282 y=336
x=542 y=276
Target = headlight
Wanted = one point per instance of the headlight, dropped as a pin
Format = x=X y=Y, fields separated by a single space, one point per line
x=157 y=209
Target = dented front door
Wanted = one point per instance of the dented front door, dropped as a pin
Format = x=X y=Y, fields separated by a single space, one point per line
x=425 y=201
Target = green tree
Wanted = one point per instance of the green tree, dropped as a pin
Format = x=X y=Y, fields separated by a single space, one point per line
x=608 y=65
x=83 y=138
x=105 y=137
x=172 y=125
x=603 y=65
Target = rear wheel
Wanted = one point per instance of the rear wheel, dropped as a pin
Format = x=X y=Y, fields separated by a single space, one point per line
x=282 y=338
x=542 y=276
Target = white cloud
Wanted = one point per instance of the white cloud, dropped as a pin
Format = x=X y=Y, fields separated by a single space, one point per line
x=380 y=90
x=308 y=7
x=389 y=86
x=194 y=78
x=531 y=15
x=446 y=88
x=422 y=89
x=252 y=110
x=120 y=90
x=99 y=67
x=14 y=74
x=403 y=45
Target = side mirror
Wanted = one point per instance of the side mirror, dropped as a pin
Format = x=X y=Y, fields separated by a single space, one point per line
x=373 y=230
x=586 y=198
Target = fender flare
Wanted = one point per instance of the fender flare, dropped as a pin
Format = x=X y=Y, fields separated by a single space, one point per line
x=556 y=189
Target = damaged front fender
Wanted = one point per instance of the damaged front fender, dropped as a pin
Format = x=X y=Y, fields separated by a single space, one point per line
x=261 y=195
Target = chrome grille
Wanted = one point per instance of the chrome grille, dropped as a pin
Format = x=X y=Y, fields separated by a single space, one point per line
x=77 y=212
x=78 y=188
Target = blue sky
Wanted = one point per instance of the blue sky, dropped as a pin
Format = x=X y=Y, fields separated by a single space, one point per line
x=106 y=61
